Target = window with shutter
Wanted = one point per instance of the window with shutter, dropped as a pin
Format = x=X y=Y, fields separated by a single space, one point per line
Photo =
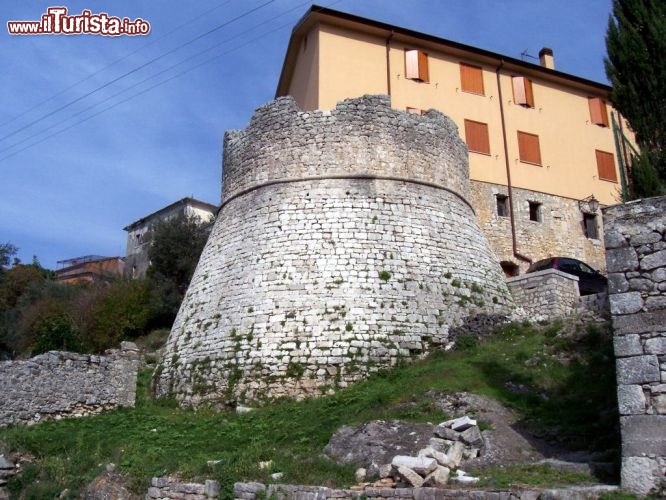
x=606 y=166
x=471 y=79
x=416 y=65
x=598 y=111
x=528 y=148
x=414 y=111
x=476 y=136
x=522 y=91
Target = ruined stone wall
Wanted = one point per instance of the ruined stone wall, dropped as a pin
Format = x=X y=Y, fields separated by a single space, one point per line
x=256 y=491
x=636 y=262
x=546 y=294
x=344 y=243
x=58 y=385
x=559 y=232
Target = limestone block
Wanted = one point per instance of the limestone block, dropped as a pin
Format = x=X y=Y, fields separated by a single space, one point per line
x=653 y=261
x=659 y=275
x=631 y=399
x=455 y=454
x=410 y=476
x=655 y=303
x=645 y=238
x=626 y=303
x=627 y=345
x=614 y=239
x=638 y=370
x=420 y=465
x=659 y=404
x=621 y=260
x=437 y=478
x=460 y=424
x=248 y=490
x=617 y=283
x=472 y=436
x=656 y=345
x=642 y=322
x=643 y=435
x=641 y=284
x=640 y=475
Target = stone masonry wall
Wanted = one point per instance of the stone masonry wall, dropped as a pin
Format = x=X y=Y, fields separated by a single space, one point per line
x=256 y=491
x=57 y=385
x=330 y=261
x=546 y=294
x=558 y=233
x=636 y=261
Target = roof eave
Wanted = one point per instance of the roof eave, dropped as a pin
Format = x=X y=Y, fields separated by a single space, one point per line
x=317 y=14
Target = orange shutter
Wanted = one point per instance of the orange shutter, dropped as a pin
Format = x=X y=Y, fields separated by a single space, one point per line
x=528 y=148
x=416 y=65
x=606 y=166
x=423 y=66
x=476 y=135
x=471 y=79
x=522 y=91
x=598 y=111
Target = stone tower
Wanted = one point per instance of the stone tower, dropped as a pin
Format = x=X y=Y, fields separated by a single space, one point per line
x=344 y=243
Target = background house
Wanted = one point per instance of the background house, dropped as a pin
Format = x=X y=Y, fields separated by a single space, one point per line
x=89 y=268
x=541 y=142
x=138 y=232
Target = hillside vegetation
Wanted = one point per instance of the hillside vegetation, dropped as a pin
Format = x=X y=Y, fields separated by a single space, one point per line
x=565 y=372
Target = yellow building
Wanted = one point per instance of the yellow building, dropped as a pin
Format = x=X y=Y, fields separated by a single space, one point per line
x=540 y=141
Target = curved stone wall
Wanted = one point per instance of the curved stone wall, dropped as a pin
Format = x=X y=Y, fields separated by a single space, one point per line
x=328 y=263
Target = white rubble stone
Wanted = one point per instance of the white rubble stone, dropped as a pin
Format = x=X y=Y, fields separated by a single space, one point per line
x=460 y=424
x=437 y=478
x=410 y=476
x=420 y=465
x=455 y=454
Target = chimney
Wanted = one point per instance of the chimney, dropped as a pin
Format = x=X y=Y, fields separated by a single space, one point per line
x=546 y=58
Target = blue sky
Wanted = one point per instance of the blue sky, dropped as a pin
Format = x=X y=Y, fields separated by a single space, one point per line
x=71 y=194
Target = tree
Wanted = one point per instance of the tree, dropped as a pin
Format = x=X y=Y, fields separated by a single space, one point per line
x=7 y=250
x=175 y=249
x=636 y=67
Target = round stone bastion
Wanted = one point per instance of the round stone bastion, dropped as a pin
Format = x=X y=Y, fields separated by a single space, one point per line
x=344 y=244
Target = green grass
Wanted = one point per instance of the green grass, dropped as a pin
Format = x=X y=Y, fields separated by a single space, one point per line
x=156 y=437
x=531 y=475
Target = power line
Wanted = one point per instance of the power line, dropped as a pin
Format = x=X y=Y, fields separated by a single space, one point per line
x=189 y=42
x=91 y=75
x=177 y=75
x=151 y=77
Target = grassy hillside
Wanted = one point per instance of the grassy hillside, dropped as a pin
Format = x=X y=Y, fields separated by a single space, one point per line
x=565 y=372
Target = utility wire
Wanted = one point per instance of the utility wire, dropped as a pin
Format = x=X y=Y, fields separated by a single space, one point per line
x=153 y=76
x=143 y=47
x=177 y=75
x=51 y=113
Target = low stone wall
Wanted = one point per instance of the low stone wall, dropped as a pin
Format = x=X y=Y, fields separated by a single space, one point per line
x=596 y=303
x=57 y=384
x=636 y=262
x=167 y=487
x=252 y=491
x=545 y=294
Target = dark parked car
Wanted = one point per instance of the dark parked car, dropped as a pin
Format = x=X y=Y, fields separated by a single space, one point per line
x=589 y=280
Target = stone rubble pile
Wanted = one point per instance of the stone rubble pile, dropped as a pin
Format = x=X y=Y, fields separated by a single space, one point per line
x=436 y=465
